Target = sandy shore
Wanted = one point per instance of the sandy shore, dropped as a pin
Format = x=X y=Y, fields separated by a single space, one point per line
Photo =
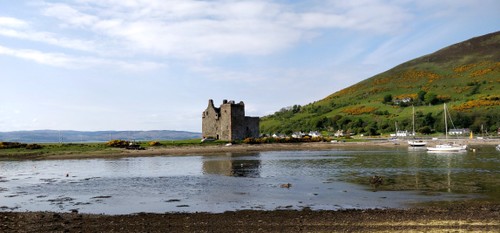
x=246 y=148
x=460 y=217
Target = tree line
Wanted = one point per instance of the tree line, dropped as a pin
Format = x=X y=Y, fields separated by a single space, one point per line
x=426 y=123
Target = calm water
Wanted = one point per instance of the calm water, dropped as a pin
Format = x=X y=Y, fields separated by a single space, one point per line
x=319 y=180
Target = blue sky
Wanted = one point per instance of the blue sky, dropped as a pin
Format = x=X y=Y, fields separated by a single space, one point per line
x=153 y=64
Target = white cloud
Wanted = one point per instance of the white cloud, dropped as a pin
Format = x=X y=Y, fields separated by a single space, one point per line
x=142 y=32
x=67 y=61
x=194 y=29
x=69 y=15
x=20 y=29
x=49 y=38
x=12 y=22
x=53 y=59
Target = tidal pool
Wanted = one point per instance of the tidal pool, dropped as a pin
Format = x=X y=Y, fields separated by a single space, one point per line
x=327 y=180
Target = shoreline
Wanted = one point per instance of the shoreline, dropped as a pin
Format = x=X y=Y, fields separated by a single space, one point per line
x=238 y=148
x=459 y=217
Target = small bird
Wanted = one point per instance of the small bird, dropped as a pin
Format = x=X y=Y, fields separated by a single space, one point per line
x=287 y=185
x=376 y=181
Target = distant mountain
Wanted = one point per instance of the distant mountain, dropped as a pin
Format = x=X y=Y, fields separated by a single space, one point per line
x=67 y=136
x=465 y=75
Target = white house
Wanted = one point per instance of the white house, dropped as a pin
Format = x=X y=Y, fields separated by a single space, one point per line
x=458 y=132
x=404 y=100
x=315 y=134
x=401 y=133
x=278 y=136
x=297 y=135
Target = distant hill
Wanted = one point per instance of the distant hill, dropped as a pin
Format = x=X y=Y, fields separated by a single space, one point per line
x=465 y=75
x=67 y=136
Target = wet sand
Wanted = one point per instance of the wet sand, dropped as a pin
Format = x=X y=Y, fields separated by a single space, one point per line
x=459 y=217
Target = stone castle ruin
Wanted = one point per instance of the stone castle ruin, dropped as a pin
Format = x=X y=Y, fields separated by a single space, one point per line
x=228 y=122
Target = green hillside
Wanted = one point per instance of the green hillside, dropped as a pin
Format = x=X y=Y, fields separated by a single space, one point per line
x=466 y=76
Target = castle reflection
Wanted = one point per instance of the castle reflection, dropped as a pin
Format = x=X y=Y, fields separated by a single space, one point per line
x=237 y=165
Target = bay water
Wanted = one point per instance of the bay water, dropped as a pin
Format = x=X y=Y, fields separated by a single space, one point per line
x=318 y=180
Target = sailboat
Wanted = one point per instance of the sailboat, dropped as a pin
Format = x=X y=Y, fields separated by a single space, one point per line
x=448 y=147
x=415 y=142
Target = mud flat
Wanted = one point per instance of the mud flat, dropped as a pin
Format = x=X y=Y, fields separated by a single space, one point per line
x=457 y=217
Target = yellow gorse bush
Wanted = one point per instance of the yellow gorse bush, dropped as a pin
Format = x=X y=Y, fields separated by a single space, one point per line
x=358 y=110
x=476 y=103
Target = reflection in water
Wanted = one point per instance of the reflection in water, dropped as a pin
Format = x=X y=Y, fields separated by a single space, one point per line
x=237 y=165
x=429 y=173
x=445 y=159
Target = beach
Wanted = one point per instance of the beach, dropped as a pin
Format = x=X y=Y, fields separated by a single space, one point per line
x=457 y=217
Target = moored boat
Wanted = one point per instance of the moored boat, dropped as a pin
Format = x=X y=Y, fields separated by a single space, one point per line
x=448 y=147
x=416 y=143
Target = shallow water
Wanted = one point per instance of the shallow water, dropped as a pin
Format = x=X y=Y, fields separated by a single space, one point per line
x=327 y=180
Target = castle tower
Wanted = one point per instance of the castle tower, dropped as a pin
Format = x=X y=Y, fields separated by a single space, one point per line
x=228 y=122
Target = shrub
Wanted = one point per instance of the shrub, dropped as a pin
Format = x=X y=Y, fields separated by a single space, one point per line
x=249 y=141
x=11 y=145
x=33 y=147
x=317 y=139
x=425 y=130
x=118 y=143
x=476 y=103
x=154 y=143
x=358 y=110
x=387 y=98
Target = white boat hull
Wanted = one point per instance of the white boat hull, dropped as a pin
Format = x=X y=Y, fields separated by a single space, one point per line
x=448 y=148
x=417 y=143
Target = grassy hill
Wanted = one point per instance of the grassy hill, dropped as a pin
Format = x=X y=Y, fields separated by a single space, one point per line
x=465 y=75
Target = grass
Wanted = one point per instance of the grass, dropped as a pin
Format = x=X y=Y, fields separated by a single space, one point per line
x=95 y=148
x=187 y=142
x=52 y=148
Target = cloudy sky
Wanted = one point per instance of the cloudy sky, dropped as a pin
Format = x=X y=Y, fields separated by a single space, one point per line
x=153 y=64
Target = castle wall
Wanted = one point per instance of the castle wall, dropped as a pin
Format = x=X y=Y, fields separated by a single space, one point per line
x=252 y=127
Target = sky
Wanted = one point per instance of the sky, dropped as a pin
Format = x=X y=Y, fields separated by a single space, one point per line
x=96 y=65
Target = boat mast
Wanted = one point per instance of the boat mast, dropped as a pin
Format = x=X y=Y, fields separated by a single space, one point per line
x=396 y=124
x=445 y=123
x=413 y=107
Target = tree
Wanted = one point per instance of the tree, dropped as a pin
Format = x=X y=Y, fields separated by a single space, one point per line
x=387 y=98
x=421 y=95
x=431 y=98
x=425 y=130
x=371 y=129
x=429 y=120
x=342 y=122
